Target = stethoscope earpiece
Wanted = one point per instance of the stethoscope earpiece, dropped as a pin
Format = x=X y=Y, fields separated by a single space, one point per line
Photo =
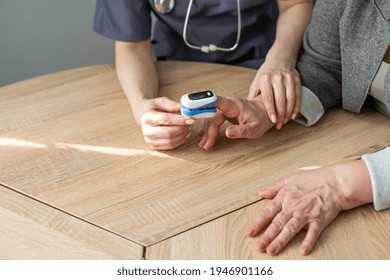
x=164 y=6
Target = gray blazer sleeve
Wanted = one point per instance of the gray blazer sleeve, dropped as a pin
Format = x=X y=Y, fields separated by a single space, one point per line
x=378 y=165
x=320 y=70
x=320 y=63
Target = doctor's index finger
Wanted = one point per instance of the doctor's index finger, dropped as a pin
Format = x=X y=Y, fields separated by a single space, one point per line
x=166 y=119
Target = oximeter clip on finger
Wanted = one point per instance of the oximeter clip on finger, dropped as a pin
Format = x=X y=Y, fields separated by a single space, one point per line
x=199 y=104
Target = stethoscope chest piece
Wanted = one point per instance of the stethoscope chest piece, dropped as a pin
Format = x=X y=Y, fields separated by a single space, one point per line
x=164 y=6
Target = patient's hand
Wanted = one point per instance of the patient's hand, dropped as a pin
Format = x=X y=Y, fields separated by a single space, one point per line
x=248 y=117
x=309 y=200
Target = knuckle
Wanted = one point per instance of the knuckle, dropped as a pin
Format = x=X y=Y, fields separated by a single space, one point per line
x=292 y=228
x=241 y=129
x=297 y=80
x=163 y=120
x=212 y=133
x=278 y=77
x=267 y=97
x=166 y=134
x=257 y=134
x=290 y=97
x=289 y=78
x=281 y=99
x=147 y=133
x=268 y=213
x=279 y=224
x=316 y=227
x=285 y=182
x=266 y=78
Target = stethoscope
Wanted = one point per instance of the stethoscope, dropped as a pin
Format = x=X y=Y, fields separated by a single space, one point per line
x=165 y=6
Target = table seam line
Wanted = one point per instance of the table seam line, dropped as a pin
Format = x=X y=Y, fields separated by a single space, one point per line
x=201 y=224
x=69 y=213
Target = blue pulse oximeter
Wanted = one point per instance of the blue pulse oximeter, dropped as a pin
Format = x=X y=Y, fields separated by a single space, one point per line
x=199 y=104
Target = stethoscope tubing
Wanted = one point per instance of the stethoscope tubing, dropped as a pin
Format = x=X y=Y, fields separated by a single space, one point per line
x=165 y=7
x=212 y=47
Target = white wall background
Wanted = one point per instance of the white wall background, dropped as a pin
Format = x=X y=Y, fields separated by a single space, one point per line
x=43 y=36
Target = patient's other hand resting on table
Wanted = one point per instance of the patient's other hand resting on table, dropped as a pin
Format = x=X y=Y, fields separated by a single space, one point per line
x=309 y=200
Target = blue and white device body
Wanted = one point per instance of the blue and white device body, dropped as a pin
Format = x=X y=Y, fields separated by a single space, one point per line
x=199 y=104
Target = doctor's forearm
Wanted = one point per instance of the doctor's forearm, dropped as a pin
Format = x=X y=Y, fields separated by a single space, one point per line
x=294 y=17
x=137 y=73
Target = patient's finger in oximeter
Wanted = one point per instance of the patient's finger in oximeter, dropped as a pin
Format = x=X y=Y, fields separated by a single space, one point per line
x=199 y=104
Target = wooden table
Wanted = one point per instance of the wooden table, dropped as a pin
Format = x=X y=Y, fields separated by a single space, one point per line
x=70 y=149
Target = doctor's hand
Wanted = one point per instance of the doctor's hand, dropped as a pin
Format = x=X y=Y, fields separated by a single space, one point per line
x=163 y=128
x=248 y=117
x=309 y=200
x=279 y=85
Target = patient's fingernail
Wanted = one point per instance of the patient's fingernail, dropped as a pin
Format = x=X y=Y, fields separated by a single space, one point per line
x=190 y=121
x=229 y=133
x=273 y=118
x=261 y=246
x=294 y=116
x=272 y=250
x=250 y=230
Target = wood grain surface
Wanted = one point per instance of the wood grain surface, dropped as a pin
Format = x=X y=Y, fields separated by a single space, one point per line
x=69 y=139
x=358 y=234
x=30 y=229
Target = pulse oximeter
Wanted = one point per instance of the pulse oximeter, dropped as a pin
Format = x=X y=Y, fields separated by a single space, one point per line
x=199 y=104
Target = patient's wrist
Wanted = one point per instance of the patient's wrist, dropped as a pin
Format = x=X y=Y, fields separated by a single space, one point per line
x=354 y=183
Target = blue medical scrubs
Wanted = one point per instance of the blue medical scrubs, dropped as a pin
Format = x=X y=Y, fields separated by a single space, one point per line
x=210 y=22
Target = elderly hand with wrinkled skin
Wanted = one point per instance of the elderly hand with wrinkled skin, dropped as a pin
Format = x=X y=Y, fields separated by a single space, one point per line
x=309 y=200
x=162 y=125
x=249 y=119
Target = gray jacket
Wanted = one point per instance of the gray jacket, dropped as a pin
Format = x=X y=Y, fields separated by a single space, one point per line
x=343 y=49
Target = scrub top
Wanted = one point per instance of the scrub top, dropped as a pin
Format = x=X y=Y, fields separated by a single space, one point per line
x=210 y=22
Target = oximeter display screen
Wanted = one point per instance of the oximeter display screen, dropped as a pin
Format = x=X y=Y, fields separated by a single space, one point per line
x=200 y=95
